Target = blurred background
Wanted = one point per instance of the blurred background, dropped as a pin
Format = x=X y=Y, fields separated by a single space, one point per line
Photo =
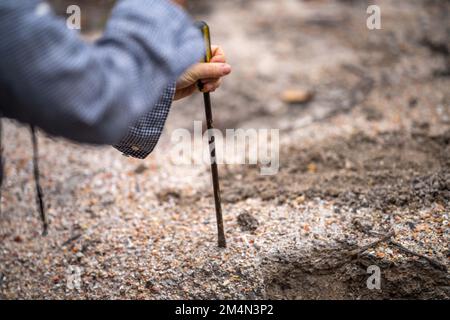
x=316 y=54
x=364 y=120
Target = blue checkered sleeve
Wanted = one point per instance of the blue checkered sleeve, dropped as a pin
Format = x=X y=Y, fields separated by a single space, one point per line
x=143 y=136
x=115 y=91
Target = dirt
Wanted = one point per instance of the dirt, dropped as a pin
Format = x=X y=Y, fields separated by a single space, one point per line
x=247 y=222
x=322 y=276
x=392 y=169
x=364 y=176
x=385 y=172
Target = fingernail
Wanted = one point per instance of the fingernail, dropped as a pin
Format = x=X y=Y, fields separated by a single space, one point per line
x=226 y=68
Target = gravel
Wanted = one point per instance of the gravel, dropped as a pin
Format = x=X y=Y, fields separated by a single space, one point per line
x=121 y=228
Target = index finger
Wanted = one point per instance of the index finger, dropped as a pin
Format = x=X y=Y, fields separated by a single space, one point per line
x=218 y=55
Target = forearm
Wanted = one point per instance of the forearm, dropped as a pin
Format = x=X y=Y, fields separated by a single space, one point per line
x=93 y=92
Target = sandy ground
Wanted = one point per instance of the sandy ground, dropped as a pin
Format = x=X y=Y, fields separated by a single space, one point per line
x=364 y=173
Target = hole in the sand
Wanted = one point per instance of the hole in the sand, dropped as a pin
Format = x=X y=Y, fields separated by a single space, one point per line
x=317 y=278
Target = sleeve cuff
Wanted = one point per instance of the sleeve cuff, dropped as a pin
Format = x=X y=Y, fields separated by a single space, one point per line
x=142 y=137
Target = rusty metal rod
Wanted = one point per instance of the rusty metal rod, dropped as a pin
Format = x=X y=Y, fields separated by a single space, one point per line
x=214 y=172
x=39 y=194
x=212 y=146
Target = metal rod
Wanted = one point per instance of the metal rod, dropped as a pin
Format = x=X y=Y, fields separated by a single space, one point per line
x=212 y=146
x=214 y=171
x=39 y=194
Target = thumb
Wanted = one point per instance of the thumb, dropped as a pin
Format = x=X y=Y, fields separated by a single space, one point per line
x=209 y=71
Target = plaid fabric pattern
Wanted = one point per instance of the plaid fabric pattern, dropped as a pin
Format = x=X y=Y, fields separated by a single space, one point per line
x=144 y=135
x=116 y=91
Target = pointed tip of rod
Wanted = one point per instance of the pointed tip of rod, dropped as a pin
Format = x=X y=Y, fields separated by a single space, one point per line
x=45 y=231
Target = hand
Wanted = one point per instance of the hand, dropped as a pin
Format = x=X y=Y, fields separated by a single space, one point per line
x=181 y=3
x=210 y=74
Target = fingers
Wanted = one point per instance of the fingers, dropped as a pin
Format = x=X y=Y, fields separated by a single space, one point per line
x=208 y=87
x=218 y=55
x=205 y=81
x=209 y=71
x=211 y=85
x=209 y=74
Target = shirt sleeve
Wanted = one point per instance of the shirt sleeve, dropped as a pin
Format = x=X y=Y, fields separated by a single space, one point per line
x=143 y=136
x=93 y=92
